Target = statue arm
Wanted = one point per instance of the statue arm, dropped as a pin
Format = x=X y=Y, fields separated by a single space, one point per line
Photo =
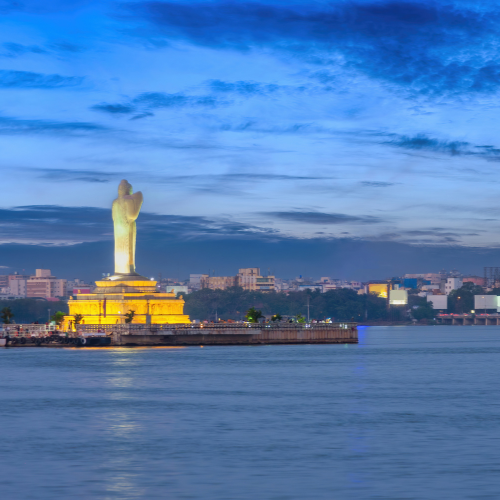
x=134 y=208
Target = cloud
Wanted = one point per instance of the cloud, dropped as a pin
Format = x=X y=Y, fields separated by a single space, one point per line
x=15 y=126
x=343 y=258
x=30 y=80
x=61 y=174
x=12 y=49
x=433 y=48
x=114 y=109
x=56 y=225
x=322 y=218
x=17 y=49
x=377 y=184
x=144 y=103
x=65 y=46
x=422 y=142
x=244 y=88
x=244 y=176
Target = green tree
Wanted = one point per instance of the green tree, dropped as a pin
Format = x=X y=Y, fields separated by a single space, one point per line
x=276 y=317
x=58 y=317
x=129 y=316
x=253 y=315
x=32 y=310
x=77 y=318
x=300 y=319
x=6 y=315
x=461 y=301
x=424 y=312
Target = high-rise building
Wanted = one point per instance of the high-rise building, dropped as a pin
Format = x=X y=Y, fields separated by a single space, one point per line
x=17 y=284
x=217 y=282
x=195 y=281
x=249 y=278
x=44 y=285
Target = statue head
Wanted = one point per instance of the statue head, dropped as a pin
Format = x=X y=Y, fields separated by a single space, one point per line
x=124 y=188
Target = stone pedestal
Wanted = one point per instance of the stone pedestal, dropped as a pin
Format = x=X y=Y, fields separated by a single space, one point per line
x=116 y=296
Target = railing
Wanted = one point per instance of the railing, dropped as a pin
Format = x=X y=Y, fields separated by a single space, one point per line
x=206 y=328
x=27 y=330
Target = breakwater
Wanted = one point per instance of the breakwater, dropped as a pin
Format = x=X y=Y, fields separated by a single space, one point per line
x=186 y=334
x=227 y=333
x=469 y=319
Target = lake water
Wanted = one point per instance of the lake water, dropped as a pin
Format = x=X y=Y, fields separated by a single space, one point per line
x=409 y=413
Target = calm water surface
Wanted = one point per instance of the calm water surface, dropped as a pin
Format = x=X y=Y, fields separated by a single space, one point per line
x=409 y=413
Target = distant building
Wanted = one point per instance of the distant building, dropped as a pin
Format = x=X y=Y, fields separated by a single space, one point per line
x=477 y=280
x=381 y=288
x=76 y=286
x=44 y=285
x=398 y=297
x=452 y=284
x=439 y=302
x=177 y=289
x=17 y=284
x=410 y=282
x=247 y=278
x=311 y=287
x=485 y=302
x=250 y=279
x=195 y=281
x=218 y=282
x=4 y=281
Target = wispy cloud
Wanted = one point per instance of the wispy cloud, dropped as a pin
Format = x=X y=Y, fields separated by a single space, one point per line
x=64 y=175
x=30 y=80
x=144 y=103
x=376 y=184
x=14 y=126
x=428 y=47
x=244 y=88
x=422 y=142
x=12 y=49
x=322 y=218
x=56 y=225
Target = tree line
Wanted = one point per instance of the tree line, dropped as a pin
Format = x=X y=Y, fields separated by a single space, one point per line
x=31 y=310
x=233 y=303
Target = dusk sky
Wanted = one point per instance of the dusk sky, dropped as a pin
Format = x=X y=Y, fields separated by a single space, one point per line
x=353 y=139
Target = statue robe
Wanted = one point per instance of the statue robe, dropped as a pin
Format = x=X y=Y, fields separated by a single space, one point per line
x=125 y=211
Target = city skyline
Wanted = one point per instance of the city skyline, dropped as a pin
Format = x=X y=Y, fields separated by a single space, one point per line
x=345 y=138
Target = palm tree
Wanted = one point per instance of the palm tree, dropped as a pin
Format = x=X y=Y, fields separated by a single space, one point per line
x=129 y=316
x=300 y=319
x=78 y=318
x=58 y=317
x=253 y=315
x=6 y=315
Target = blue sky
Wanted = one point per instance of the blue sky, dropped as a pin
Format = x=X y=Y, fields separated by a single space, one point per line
x=276 y=122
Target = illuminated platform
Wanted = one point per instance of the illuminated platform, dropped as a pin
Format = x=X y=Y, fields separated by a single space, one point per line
x=116 y=296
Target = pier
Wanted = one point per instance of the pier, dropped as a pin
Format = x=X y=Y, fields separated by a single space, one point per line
x=228 y=333
x=469 y=319
x=188 y=334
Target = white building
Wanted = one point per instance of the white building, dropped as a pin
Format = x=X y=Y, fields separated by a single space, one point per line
x=452 y=284
x=439 y=302
x=398 y=297
x=485 y=302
